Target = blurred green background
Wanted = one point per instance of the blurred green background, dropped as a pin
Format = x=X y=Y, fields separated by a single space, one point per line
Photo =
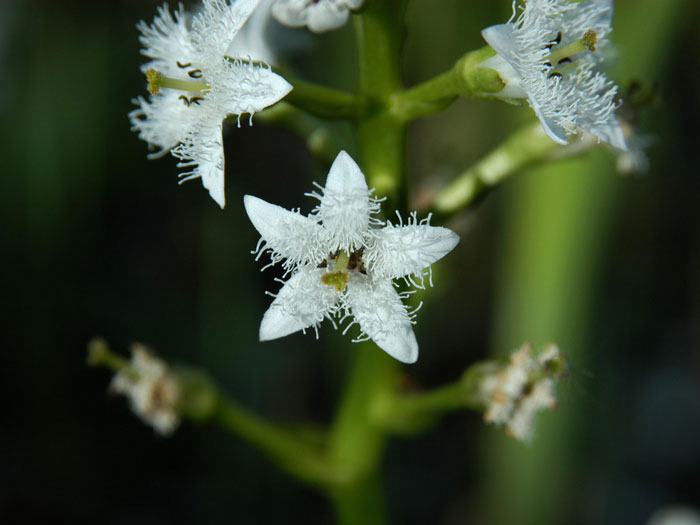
x=96 y=240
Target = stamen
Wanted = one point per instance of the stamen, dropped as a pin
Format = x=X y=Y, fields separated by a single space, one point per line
x=195 y=73
x=183 y=66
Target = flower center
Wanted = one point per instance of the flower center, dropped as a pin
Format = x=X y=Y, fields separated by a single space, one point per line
x=562 y=55
x=344 y=261
x=156 y=81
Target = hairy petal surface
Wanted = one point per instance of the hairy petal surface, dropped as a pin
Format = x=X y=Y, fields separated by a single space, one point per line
x=399 y=251
x=166 y=41
x=237 y=87
x=288 y=234
x=304 y=301
x=215 y=26
x=202 y=150
x=383 y=317
x=346 y=206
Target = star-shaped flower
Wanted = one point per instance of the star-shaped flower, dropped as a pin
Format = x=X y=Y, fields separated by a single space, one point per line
x=317 y=15
x=549 y=54
x=194 y=86
x=342 y=263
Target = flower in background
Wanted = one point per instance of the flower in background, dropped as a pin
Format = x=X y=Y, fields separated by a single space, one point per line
x=515 y=393
x=343 y=261
x=195 y=85
x=317 y=15
x=549 y=54
x=151 y=390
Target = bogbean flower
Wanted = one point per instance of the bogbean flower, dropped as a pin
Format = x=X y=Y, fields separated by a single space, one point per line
x=317 y=15
x=515 y=393
x=342 y=261
x=549 y=54
x=151 y=389
x=195 y=85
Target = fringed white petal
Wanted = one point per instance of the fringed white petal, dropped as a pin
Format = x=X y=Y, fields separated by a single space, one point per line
x=346 y=207
x=400 y=251
x=288 y=234
x=163 y=121
x=216 y=25
x=203 y=151
x=502 y=39
x=382 y=317
x=303 y=302
x=237 y=87
x=252 y=41
x=166 y=41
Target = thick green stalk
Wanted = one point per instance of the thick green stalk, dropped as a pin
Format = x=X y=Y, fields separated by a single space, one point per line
x=356 y=440
x=380 y=134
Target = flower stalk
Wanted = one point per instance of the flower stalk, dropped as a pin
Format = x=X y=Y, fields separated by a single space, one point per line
x=321 y=101
x=525 y=147
x=468 y=77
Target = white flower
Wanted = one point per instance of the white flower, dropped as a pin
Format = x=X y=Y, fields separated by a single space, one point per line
x=343 y=264
x=151 y=390
x=253 y=40
x=549 y=54
x=515 y=393
x=317 y=15
x=195 y=85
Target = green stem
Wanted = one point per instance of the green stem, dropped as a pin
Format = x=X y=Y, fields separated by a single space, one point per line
x=99 y=354
x=353 y=504
x=412 y=412
x=466 y=78
x=526 y=146
x=381 y=136
x=321 y=101
x=201 y=400
x=282 y=446
x=356 y=440
x=320 y=136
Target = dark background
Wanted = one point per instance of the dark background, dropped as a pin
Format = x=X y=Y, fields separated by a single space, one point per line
x=96 y=240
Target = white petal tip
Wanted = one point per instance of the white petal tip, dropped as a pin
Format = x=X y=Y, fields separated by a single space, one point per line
x=275 y=325
x=402 y=346
x=345 y=175
x=218 y=197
